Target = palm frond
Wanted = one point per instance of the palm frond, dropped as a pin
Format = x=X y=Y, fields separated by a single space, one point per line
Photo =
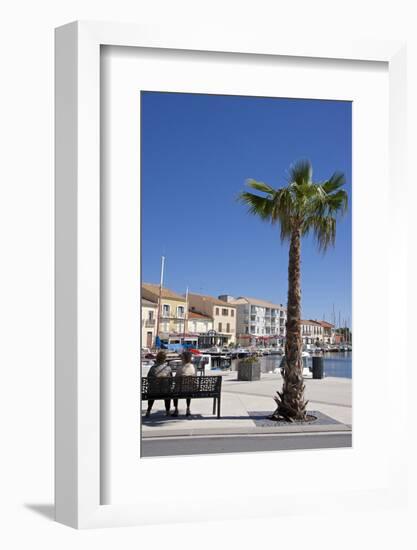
x=260 y=186
x=301 y=172
x=286 y=228
x=284 y=211
x=338 y=202
x=257 y=205
x=302 y=204
x=324 y=228
x=335 y=182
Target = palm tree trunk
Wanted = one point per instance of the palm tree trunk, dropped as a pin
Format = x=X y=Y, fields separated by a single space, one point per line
x=290 y=401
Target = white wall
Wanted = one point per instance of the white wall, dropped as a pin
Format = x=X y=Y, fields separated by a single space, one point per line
x=26 y=300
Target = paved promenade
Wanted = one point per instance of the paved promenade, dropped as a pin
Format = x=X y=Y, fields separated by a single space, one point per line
x=245 y=405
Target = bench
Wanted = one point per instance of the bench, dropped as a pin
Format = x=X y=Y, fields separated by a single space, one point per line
x=183 y=387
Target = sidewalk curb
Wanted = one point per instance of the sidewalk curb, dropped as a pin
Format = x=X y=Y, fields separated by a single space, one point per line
x=211 y=432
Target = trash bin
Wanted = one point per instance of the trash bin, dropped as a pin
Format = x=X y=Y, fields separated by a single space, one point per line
x=318 y=368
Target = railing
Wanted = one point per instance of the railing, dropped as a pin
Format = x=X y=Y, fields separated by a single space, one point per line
x=171 y=316
x=149 y=322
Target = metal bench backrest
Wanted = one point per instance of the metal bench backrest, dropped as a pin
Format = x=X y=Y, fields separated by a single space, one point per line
x=183 y=386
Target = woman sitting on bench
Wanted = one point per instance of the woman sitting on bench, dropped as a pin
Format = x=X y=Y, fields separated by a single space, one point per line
x=159 y=370
x=186 y=369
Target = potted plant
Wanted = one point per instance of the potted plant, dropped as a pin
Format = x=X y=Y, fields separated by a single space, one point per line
x=249 y=369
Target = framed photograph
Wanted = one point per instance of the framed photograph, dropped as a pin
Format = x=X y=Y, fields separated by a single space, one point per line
x=224 y=266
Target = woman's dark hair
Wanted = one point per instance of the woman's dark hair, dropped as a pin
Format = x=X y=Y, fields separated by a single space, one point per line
x=161 y=357
x=186 y=356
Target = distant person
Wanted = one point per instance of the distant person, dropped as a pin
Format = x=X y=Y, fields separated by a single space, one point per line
x=186 y=369
x=159 y=370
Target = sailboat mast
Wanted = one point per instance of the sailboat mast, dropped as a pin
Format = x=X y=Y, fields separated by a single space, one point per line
x=185 y=315
x=161 y=282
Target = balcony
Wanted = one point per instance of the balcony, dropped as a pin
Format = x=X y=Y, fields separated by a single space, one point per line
x=167 y=315
x=149 y=323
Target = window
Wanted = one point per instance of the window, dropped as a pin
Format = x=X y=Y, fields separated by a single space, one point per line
x=150 y=315
x=217 y=311
x=228 y=327
x=165 y=310
x=220 y=327
x=232 y=312
x=180 y=311
x=225 y=312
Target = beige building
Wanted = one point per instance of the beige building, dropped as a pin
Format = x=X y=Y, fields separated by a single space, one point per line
x=171 y=313
x=312 y=332
x=223 y=315
x=328 y=332
x=258 y=322
x=148 y=313
x=198 y=323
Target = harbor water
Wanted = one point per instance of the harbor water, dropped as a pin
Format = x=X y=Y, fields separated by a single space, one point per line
x=335 y=364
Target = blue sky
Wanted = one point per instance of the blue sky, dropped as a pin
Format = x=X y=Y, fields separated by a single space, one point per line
x=197 y=152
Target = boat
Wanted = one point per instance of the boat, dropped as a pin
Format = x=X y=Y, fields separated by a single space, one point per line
x=307 y=367
x=214 y=349
x=242 y=352
x=202 y=363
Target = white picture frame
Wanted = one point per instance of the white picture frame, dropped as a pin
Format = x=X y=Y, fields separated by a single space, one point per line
x=78 y=384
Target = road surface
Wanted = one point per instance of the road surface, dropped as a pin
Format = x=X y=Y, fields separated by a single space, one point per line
x=172 y=446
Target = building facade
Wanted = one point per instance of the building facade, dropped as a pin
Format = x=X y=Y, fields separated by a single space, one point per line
x=223 y=316
x=317 y=332
x=199 y=323
x=328 y=332
x=311 y=332
x=197 y=327
x=148 y=313
x=172 y=311
x=258 y=322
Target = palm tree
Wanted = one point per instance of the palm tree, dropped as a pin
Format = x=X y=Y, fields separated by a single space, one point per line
x=300 y=208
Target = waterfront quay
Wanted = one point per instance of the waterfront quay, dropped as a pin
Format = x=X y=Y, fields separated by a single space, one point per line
x=200 y=321
x=244 y=408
